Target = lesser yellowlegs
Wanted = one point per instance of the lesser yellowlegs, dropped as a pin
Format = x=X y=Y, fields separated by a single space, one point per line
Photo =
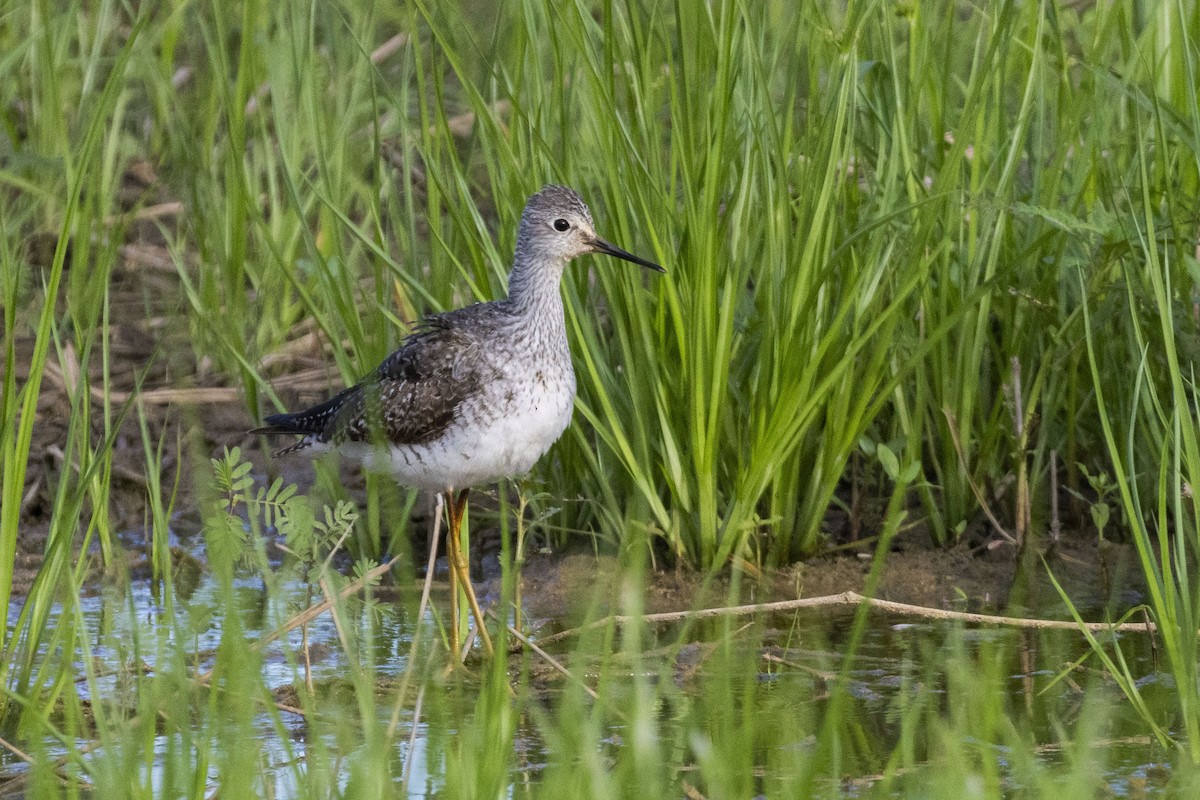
x=476 y=394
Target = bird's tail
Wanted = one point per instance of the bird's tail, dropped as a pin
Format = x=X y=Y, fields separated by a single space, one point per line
x=312 y=423
x=286 y=423
x=302 y=424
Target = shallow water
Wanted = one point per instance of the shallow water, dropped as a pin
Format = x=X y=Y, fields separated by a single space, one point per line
x=784 y=666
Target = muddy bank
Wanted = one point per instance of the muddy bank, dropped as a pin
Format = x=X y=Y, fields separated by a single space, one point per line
x=566 y=587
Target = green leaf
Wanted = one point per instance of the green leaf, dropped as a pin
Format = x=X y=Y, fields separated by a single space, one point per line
x=225 y=537
x=298 y=525
x=891 y=465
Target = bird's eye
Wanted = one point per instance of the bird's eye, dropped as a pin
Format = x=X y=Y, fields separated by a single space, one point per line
x=561 y=224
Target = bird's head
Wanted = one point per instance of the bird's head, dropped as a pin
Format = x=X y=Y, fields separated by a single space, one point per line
x=557 y=226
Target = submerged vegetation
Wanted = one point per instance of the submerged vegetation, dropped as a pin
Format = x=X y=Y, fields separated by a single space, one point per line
x=932 y=267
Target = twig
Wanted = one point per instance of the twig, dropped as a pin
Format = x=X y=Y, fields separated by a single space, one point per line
x=1023 y=505
x=412 y=742
x=855 y=599
x=468 y=641
x=416 y=638
x=300 y=712
x=551 y=660
x=387 y=48
x=59 y=769
x=56 y=453
x=31 y=495
x=1153 y=645
x=201 y=395
x=952 y=425
x=377 y=55
x=317 y=609
x=308 y=678
x=429 y=567
x=461 y=125
x=1055 y=522
x=783 y=662
x=326 y=590
x=16 y=751
x=519 y=557
x=157 y=211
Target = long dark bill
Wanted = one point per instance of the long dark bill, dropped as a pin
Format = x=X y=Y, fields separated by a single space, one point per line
x=612 y=250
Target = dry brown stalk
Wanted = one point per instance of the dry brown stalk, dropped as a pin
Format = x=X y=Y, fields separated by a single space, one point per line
x=856 y=599
x=952 y=426
x=551 y=660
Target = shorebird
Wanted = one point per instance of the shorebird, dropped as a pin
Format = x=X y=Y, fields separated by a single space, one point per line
x=473 y=395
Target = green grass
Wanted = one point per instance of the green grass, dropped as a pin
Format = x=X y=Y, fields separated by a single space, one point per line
x=917 y=253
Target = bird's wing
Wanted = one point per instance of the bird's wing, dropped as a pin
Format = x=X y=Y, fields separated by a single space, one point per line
x=411 y=398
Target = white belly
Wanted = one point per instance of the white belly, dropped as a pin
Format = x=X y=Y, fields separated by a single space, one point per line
x=487 y=442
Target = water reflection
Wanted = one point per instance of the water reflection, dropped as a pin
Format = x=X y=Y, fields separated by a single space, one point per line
x=787 y=667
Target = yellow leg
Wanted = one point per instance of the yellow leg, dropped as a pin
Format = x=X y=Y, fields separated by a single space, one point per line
x=452 y=568
x=459 y=564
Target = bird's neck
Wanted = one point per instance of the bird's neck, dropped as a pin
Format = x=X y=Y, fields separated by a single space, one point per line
x=533 y=288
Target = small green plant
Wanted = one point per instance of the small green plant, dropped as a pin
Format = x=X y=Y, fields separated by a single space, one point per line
x=235 y=528
x=235 y=533
x=1106 y=497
